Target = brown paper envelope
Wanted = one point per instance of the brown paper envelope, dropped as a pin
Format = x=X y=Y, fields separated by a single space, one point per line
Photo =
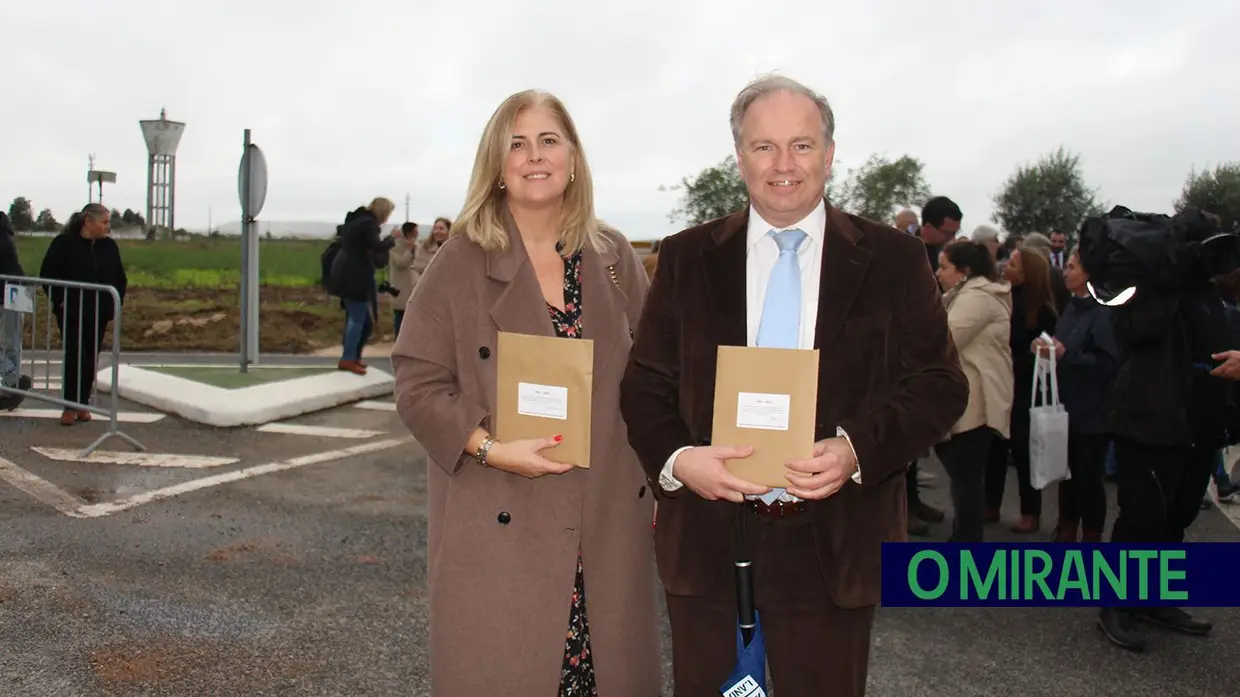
x=544 y=387
x=766 y=398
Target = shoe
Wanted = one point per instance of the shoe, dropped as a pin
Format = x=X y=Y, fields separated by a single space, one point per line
x=68 y=417
x=917 y=528
x=991 y=515
x=1120 y=628
x=9 y=402
x=1175 y=619
x=1228 y=492
x=24 y=383
x=352 y=367
x=1027 y=525
x=925 y=478
x=1065 y=532
x=926 y=512
x=83 y=416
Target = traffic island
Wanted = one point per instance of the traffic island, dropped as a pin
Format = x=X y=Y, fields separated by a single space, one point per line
x=223 y=396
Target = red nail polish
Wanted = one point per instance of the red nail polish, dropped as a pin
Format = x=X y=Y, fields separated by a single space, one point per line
x=558 y=438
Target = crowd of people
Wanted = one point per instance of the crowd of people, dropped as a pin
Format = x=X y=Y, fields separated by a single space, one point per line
x=1145 y=384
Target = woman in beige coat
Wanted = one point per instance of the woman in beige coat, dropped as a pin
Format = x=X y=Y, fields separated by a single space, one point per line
x=541 y=575
x=979 y=314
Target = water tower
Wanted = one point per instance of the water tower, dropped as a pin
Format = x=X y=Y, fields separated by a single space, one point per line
x=162 y=137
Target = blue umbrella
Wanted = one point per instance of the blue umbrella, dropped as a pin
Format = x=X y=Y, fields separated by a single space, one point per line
x=748 y=678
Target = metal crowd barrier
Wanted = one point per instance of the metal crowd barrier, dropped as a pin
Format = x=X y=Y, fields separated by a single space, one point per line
x=21 y=295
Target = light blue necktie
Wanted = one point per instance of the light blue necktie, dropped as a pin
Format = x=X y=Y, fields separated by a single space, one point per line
x=780 y=326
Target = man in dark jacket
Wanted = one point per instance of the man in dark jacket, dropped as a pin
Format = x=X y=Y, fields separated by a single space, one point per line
x=10 y=323
x=1170 y=417
x=84 y=252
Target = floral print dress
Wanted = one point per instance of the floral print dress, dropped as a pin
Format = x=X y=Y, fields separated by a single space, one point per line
x=577 y=674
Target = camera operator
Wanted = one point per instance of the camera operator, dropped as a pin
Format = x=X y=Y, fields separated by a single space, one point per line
x=400 y=271
x=1170 y=415
x=362 y=251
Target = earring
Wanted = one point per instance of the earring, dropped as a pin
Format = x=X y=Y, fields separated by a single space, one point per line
x=501 y=186
x=572 y=176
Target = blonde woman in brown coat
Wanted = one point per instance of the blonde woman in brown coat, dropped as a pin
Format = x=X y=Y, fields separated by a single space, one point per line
x=541 y=575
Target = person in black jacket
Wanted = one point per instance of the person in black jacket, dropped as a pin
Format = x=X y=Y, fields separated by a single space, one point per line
x=10 y=323
x=362 y=251
x=1170 y=414
x=1087 y=360
x=83 y=252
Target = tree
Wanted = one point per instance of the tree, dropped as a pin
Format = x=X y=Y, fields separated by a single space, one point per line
x=715 y=192
x=1048 y=195
x=20 y=214
x=1216 y=192
x=46 y=222
x=876 y=189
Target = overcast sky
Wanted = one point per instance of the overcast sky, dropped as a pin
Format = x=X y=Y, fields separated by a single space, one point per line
x=388 y=97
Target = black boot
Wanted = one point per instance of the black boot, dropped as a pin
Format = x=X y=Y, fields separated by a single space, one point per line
x=1121 y=628
x=1175 y=619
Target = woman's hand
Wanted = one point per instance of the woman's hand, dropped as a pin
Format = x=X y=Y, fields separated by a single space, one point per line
x=524 y=457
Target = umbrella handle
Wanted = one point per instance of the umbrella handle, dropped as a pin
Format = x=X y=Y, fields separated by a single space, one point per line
x=746 y=614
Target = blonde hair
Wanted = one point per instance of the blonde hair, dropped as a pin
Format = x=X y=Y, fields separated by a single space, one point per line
x=382 y=208
x=482 y=219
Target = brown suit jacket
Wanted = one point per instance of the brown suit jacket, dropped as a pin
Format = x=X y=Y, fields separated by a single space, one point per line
x=889 y=375
x=501 y=549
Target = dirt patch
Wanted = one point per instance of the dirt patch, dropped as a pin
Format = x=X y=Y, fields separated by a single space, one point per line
x=267 y=550
x=6 y=594
x=292 y=319
x=172 y=661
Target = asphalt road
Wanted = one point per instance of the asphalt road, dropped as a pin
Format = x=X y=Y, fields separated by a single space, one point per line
x=310 y=582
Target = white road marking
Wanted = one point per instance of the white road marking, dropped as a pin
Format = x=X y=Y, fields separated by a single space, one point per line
x=101 y=509
x=41 y=489
x=109 y=457
x=125 y=417
x=321 y=431
x=376 y=406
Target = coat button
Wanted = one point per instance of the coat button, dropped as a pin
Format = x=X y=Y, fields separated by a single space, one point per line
x=504 y=518
x=641 y=492
x=484 y=352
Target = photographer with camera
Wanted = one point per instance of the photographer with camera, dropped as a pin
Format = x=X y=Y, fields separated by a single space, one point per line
x=1170 y=416
x=362 y=251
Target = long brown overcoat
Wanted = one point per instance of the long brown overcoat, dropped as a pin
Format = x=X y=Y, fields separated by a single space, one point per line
x=502 y=549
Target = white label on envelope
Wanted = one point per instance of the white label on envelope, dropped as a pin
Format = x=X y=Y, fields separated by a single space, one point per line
x=545 y=401
x=765 y=411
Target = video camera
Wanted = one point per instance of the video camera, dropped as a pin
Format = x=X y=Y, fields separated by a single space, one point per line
x=1122 y=250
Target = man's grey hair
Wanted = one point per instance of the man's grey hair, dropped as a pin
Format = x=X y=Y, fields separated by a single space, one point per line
x=770 y=84
x=1037 y=242
x=985 y=233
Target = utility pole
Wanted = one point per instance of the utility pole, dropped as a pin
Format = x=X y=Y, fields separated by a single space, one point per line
x=406 y=208
x=90 y=191
x=209 y=221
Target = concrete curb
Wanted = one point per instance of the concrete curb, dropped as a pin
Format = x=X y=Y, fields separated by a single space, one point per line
x=248 y=406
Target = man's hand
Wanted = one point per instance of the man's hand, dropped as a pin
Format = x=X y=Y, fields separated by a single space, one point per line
x=825 y=473
x=1230 y=369
x=702 y=470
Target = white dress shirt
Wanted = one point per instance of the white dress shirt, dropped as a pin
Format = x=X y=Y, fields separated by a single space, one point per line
x=761 y=254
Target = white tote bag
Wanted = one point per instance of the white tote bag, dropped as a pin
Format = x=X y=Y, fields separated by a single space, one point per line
x=1048 y=426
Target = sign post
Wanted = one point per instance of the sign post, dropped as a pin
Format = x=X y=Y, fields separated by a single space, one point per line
x=252 y=190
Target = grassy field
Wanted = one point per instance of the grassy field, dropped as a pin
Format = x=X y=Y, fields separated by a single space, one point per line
x=183 y=296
